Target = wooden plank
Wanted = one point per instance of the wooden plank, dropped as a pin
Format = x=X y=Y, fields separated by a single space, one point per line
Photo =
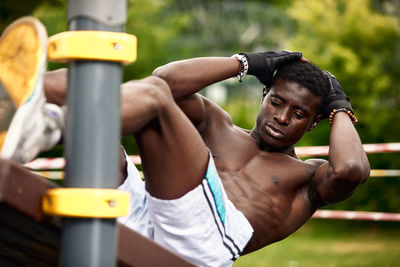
x=26 y=237
x=137 y=249
x=22 y=190
x=32 y=243
x=29 y=238
x=44 y=232
x=11 y=255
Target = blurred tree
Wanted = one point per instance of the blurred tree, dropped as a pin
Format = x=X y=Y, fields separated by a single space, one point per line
x=225 y=27
x=362 y=48
x=176 y=29
x=391 y=7
x=11 y=10
x=54 y=18
x=156 y=25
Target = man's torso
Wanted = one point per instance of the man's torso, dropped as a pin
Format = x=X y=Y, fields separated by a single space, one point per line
x=269 y=188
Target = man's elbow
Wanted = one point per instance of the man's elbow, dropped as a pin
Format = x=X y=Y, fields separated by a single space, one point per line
x=158 y=71
x=352 y=173
x=364 y=169
x=167 y=73
x=366 y=172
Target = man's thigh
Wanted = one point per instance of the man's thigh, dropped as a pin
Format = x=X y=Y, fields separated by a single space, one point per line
x=174 y=156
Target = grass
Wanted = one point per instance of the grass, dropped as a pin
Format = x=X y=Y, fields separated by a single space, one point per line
x=332 y=243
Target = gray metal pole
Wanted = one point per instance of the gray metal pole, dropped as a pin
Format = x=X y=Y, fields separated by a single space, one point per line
x=92 y=135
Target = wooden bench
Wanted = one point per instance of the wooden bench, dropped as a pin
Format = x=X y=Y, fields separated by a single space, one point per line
x=29 y=238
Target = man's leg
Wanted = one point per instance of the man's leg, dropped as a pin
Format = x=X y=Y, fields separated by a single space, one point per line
x=55 y=86
x=174 y=156
x=201 y=225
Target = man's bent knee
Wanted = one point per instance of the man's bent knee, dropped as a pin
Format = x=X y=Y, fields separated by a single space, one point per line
x=153 y=94
x=159 y=91
x=157 y=82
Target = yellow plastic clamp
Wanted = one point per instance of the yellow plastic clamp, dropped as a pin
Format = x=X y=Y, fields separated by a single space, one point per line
x=86 y=202
x=93 y=45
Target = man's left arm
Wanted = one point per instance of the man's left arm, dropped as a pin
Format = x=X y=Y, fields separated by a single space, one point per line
x=348 y=165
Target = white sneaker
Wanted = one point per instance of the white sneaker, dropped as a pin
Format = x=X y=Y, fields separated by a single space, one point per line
x=27 y=124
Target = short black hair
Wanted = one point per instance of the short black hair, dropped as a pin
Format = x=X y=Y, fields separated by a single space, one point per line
x=306 y=74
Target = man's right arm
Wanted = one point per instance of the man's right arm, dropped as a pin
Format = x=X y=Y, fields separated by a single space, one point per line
x=187 y=77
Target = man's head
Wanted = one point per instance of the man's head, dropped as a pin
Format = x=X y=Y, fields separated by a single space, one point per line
x=306 y=74
x=292 y=105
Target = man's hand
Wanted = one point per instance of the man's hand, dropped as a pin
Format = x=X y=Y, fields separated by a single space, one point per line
x=263 y=65
x=336 y=98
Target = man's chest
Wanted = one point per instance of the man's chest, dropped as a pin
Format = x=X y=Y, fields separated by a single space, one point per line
x=240 y=161
x=269 y=171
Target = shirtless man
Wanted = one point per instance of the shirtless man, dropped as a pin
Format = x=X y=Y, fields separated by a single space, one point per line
x=259 y=170
x=212 y=190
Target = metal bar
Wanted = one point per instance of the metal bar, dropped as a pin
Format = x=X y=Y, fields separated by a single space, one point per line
x=92 y=138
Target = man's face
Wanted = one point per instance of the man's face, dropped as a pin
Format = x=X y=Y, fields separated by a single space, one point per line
x=287 y=111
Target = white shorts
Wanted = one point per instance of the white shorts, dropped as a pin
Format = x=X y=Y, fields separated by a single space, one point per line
x=203 y=226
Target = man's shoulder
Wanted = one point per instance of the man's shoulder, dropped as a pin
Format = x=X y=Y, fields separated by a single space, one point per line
x=215 y=112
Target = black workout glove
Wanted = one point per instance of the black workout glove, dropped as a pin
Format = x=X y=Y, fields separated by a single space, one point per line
x=336 y=99
x=263 y=65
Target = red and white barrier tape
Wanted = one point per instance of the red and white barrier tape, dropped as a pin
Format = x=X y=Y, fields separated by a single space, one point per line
x=59 y=163
x=46 y=163
x=53 y=175
x=309 y=151
x=385 y=173
x=357 y=215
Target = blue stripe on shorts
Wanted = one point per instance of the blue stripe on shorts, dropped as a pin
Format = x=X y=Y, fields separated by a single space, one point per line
x=215 y=187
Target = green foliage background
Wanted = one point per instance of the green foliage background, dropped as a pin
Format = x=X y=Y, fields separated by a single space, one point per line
x=358 y=41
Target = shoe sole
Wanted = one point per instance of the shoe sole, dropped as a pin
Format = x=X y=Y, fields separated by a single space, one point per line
x=23 y=58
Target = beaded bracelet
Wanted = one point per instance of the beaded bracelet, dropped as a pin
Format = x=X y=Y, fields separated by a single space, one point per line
x=243 y=67
x=347 y=111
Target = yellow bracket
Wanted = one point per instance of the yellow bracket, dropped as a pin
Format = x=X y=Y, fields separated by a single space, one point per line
x=86 y=202
x=92 y=45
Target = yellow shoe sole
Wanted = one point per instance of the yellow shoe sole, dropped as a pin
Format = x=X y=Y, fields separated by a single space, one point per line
x=23 y=53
